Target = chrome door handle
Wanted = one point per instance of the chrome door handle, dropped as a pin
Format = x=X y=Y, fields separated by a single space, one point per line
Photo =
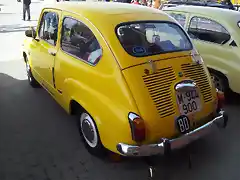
x=52 y=52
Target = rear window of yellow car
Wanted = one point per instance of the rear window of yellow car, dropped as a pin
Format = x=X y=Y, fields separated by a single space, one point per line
x=152 y=37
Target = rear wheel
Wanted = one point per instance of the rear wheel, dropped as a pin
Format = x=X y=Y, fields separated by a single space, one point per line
x=32 y=81
x=220 y=81
x=89 y=134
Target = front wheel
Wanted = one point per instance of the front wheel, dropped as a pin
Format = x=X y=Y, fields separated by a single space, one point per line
x=89 y=134
x=32 y=81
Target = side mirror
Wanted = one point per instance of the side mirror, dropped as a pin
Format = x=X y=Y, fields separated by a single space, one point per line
x=31 y=33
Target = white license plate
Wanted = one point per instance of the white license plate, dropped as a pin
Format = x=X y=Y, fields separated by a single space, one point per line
x=188 y=102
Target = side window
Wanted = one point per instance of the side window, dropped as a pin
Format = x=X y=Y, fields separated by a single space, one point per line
x=49 y=27
x=208 y=30
x=79 y=41
x=181 y=18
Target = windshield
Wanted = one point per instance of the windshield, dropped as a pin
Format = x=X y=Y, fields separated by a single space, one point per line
x=150 y=38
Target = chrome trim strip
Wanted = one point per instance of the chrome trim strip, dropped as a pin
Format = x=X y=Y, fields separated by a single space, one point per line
x=132 y=116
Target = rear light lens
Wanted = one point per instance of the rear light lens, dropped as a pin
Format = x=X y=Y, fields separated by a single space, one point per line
x=221 y=99
x=137 y=127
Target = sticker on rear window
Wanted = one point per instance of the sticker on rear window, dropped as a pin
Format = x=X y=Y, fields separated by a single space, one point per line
x=139 y=50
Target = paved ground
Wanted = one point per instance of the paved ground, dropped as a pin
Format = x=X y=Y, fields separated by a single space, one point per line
x=39 y=141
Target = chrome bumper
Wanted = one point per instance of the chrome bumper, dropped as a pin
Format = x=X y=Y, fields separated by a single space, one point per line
x=167 y=145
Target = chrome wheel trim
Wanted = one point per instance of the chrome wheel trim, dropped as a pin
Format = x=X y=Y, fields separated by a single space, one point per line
x=87 y=122
x=217 y=82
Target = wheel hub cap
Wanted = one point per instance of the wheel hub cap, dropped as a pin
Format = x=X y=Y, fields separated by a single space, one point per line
x=88 y=130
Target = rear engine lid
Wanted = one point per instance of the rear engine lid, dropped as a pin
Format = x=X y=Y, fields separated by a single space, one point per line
x=153 y=87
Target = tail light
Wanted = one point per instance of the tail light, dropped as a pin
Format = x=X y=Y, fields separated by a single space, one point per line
x=221 y=99
x=137 y=127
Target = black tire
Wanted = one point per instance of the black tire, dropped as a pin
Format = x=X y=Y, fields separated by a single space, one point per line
x=89 y=134
x=31 y=80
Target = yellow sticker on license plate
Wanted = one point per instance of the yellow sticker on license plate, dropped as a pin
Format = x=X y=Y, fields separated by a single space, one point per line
x=189 y=102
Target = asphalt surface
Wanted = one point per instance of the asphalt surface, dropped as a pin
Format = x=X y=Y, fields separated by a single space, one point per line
x=39 y=141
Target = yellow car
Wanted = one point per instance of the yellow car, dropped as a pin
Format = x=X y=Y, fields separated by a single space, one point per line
x=129 y=73
x=215 y=33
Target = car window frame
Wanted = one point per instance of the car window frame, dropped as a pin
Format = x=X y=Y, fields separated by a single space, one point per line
x=154 y=21
x=169 y=12
x=72 y=55
x=40 y=25
x=207 y=18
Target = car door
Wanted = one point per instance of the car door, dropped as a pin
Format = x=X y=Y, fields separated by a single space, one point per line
x=46 y=49
x=79 y=51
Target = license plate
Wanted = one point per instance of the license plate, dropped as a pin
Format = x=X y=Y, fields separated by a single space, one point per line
x=183 y=124
x=188 y=102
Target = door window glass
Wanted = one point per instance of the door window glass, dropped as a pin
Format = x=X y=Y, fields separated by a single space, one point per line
x=78 y=40
x=49 y=27
x=208 y=30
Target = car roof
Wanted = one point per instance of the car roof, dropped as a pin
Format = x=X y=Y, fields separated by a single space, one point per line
x=102 y=8
x=207 y=11
x=105 y=16
x=200 y=3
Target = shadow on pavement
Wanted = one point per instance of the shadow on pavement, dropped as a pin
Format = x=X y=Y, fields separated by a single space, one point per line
x=35 y=132
x=7 y=81
x=233 y=98
x=39 y=140
x=181 y=164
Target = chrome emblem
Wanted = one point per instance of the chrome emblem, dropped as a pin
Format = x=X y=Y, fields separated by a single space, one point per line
x=185 y=85
x=153 y=66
